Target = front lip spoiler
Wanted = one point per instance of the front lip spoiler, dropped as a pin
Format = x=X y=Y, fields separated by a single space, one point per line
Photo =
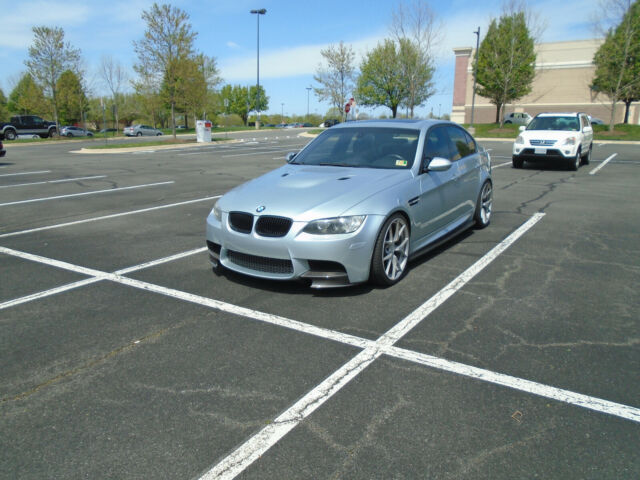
x=321 y=280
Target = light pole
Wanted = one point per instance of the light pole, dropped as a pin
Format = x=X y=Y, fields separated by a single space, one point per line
x=308 y=92
x=282 y=114
x=262 y=11
x=475 y=72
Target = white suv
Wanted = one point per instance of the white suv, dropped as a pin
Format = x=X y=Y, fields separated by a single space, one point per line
x=564 y=137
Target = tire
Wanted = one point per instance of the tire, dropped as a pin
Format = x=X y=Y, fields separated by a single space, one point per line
x=139 y=134
x=574 y=163
x=517 y=162
x=391 y=251
x=587 y=158
x=158 y=134
x=508 y=122
x=69 y=135
x=10 y=134
x=484 y=206
x=53 y=133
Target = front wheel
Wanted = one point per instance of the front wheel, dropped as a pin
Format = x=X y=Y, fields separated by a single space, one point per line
x=587 y=158
x=517 y=162
x=484 y=206
x=139 y=134
x=574 y=163
x=391 y=252
x=10 y=134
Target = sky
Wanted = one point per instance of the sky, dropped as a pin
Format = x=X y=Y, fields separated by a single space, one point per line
x=292 y=34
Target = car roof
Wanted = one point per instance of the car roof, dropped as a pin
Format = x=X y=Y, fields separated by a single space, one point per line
x=559 y=114
x=414 y=124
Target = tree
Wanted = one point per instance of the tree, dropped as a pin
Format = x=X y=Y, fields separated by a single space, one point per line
x=199 y=77
x=49 y=57
x=3 y=107
x=415 y=21
x=168 y=41
x=337 y=77
x=27 y=98
x=506 y=61
x=72 y=101
x=113 y=76
x=235 y=99
x=617 y=60
x=264 y=99
x=381 y=81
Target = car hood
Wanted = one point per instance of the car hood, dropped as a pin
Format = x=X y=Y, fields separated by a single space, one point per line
x=548 y=134
x=306 y=192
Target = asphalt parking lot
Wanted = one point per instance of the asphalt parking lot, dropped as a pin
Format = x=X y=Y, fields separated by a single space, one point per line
x=510 y=352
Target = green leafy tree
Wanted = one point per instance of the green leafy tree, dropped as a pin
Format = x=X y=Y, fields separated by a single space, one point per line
x=49 y=57
x=235 y=100
x=167 y=42
x=381 y=82
x=264 y=99
x=199 y=77
x=27 y=98
x=617 y=62
x=72 y=101
x=336 y=75
x=414 y=27
x=4 y=113
x=506 y=61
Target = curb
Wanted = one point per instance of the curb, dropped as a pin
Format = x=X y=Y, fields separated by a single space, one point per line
x=149 y=148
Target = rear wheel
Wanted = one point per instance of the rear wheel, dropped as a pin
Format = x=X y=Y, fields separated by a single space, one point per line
x=139 y=134
x=484 y=205
x=10 y=134
x=391 y=252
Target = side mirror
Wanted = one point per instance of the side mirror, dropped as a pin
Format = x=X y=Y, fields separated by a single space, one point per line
x=290 y=156
x=522 y=128
x=439 y=164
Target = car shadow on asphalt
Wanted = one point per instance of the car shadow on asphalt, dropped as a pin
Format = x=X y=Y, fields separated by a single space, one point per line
x=302 y=287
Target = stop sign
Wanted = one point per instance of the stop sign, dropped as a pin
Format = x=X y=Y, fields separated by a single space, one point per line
x=347 y=107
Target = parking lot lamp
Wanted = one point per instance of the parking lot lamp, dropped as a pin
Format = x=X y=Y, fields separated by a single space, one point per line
x=475 y=71
x=308 y=92
x=262 y=11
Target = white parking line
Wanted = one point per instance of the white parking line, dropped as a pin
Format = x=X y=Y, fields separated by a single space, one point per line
x=108 y=190
x=53 y=181
x=24 y=173
x=372 y=349
x=595 y=170
x=106 y=217
x=501 y=165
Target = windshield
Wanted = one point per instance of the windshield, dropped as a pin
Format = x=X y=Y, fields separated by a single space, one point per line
x=366 y=147
x=554 y=123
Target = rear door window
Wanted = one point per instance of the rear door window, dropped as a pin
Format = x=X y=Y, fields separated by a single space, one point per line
x=462 y=144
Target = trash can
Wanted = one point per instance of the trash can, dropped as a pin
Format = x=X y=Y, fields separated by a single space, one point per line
x=203 y=131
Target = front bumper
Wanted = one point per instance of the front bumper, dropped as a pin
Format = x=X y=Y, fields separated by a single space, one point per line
x=534 y=153
x=326 y=260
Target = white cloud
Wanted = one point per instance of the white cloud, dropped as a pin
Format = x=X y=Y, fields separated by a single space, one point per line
x=232 y=45
x=288 y=62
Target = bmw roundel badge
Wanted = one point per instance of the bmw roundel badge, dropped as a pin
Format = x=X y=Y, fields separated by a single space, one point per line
x=260 y=209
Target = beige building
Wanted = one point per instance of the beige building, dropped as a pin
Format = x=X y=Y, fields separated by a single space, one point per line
x=564 y=71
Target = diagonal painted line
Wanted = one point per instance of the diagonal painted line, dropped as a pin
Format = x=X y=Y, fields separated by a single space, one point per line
x=106 y=217
x=53 y=181
x=24 y=173
x=597 y=169
x=108 y=190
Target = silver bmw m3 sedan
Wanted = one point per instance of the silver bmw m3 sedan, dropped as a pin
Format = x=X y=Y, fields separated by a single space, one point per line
x=355 y=205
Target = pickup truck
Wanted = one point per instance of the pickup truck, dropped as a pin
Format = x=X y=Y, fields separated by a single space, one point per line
x=27 y=125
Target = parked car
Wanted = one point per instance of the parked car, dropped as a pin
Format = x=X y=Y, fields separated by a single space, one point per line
x=519 y=118
x=355 y=205
x=140 y=130
x=307 y=125
x=281 y=125
x=560 y=137
x=27 y=125
x=71 y=131
x=595 y=121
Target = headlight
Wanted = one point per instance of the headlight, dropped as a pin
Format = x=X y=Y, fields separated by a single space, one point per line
x=570 y=141
x=329 y=226
x=519 y=140
x=216 y=211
